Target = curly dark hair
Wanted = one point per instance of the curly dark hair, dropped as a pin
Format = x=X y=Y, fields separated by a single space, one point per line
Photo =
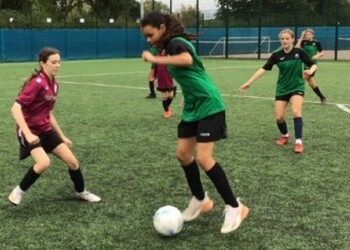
x=174 y=28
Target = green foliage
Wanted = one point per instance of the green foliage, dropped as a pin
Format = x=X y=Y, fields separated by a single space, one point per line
x=152 y=5
x=66 y=13
x=127 y=153
x=13 y=19
x=106 y=8
x=188 y=15
x=19 y=5
x=284 y=13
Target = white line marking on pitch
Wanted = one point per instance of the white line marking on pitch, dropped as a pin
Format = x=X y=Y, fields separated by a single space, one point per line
x=104 y=74
x=104 y=85
x=342 y=107
x=144 y=88
x=144 y=72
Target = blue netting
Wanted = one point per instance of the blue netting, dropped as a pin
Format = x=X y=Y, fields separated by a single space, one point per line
x=24 y=44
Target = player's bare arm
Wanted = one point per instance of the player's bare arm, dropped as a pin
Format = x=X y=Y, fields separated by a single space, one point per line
x=20 y=121
x=256 y=76
x=183 y=59
x=59 y=131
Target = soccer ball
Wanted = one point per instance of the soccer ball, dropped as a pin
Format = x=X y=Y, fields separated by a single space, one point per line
x=168 y=220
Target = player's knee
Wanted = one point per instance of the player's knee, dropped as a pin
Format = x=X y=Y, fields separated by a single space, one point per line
x=183 y=157
x=296 y=113
x=203 y=161
x=72 y=163
x=279 y=119
x=42 y=164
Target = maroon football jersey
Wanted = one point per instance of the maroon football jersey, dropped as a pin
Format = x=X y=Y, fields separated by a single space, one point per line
x=37 y=99
x=164 y=80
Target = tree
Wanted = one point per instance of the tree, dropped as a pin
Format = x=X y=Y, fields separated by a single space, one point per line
x=19 y=5
x=152 y=5
x=106 y=8
x=188 y=15
x=284 y=12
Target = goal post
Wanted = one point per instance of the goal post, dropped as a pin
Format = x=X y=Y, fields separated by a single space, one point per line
x=235 y=45
x=344 y=43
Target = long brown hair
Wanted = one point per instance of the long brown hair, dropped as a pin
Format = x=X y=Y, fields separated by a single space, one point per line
x=43 y=56
x=174 y=27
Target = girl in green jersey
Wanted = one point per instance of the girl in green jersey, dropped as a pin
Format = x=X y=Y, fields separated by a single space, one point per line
x=203 y=117
x=290 y=85
x=314 y=49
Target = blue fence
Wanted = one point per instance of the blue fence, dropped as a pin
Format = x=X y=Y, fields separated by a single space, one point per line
x=245 y=40
x=24 y=44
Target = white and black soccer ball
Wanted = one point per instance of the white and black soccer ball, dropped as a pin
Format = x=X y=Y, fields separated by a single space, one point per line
x=168 y=220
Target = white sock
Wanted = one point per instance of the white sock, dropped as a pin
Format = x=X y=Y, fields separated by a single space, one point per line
x=298 y=141
x=19 y=190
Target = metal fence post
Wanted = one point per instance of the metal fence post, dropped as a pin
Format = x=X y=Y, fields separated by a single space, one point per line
x=197 y=26
x=259 y=29
x=226 y=29
x=336 y=41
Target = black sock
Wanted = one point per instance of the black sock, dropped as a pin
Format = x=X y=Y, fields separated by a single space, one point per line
x=78 y=180
x=29 y=179
x=218 y=177
x=151 y=87
x=318 y=92
x=194 y=180
x=298 y=127
x=283 y=127
x=165 y=105
x=169 y=101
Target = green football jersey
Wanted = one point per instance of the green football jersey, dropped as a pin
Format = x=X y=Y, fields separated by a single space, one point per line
x=311 y=47
x=290 y=65
x=201 y=96
x=153 y=50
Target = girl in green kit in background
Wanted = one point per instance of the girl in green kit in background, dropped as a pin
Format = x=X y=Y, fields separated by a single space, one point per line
x=290 y=87
x=314 y=49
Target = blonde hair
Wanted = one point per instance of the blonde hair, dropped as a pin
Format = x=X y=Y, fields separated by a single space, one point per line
x=289 y=31
x=309 y=30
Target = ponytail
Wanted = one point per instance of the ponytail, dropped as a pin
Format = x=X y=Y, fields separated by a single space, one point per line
x=35 y=74
x=175 y=29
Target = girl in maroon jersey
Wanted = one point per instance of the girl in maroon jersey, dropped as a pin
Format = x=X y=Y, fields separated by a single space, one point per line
x=165 y=85
x=38 y=131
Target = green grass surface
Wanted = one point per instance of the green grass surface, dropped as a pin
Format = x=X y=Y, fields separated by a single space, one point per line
x=127 y=153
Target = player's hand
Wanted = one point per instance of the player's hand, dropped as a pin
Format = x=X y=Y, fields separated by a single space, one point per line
x=307 y=73
x=303 y=34
x=244 y=87
x=32 y=139
x=67 y=141
x=148 y=57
